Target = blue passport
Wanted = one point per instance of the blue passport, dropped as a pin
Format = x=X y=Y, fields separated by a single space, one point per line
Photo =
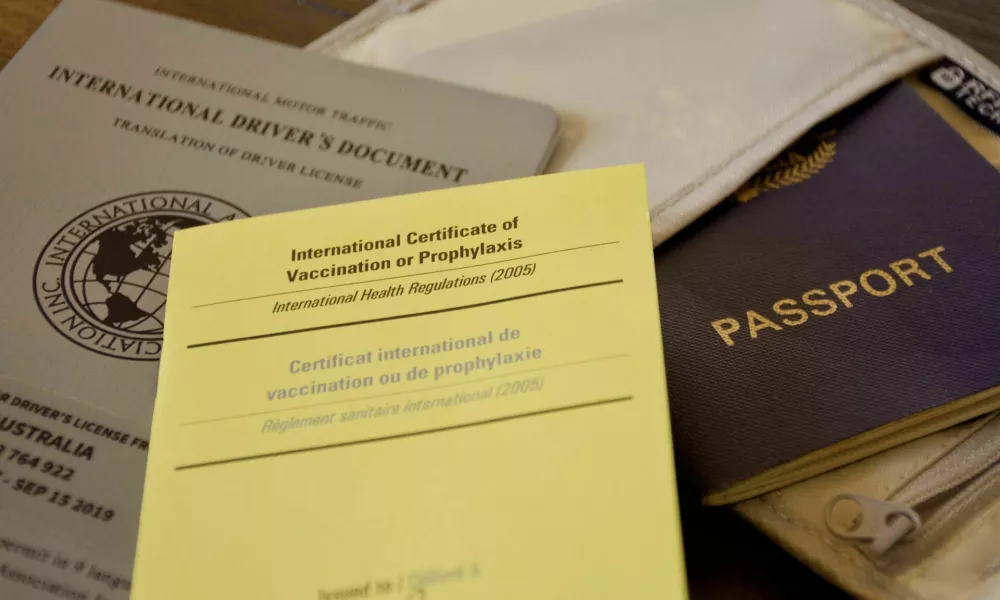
x=845 y=300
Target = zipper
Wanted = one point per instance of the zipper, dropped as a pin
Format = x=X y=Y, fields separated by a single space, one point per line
x=931 y=504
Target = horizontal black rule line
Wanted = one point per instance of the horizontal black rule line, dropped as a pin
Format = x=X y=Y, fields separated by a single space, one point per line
x=406 y=316
x=337 y=285
x=399 y=436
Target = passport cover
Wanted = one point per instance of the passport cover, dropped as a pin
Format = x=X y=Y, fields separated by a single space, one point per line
x=851 y=284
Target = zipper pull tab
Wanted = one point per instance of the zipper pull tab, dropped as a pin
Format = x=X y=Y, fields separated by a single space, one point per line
x=879 y=525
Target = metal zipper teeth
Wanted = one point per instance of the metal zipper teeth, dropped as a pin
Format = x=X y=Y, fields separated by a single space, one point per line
x=974 y=496
x=956 y=467
x=960 y=479
x=963 y=480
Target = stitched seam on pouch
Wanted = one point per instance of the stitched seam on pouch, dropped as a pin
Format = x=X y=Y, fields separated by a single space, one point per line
x=690 y=188
x=945 y=46
x=944 y=447
x=884 y=583
x=923 y=565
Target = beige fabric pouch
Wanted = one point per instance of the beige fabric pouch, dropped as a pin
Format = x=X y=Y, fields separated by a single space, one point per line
x=705 y=93
x=918 y=522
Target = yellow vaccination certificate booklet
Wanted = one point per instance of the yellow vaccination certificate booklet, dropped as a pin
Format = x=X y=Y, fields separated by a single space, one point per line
x=449 y=395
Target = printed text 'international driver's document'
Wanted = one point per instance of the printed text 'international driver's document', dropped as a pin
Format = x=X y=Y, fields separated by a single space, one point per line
x=448 y=395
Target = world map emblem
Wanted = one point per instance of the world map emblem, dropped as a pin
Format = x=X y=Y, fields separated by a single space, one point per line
x=101 y=281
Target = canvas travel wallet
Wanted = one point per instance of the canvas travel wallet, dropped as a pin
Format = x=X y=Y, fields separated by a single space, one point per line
x=685 y=87
x=636 y=102
x=916 y=522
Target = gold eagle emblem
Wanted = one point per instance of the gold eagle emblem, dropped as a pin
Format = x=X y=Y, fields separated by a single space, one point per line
x=791 y=167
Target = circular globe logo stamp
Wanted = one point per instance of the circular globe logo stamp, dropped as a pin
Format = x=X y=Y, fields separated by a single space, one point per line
x=101 y=280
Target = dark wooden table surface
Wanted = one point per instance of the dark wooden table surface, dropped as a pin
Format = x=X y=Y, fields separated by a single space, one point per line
x=298 y=22
x=976 y=22
x=294 y=22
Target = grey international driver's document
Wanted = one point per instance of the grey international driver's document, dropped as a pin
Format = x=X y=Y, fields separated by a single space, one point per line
x=119 y=127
